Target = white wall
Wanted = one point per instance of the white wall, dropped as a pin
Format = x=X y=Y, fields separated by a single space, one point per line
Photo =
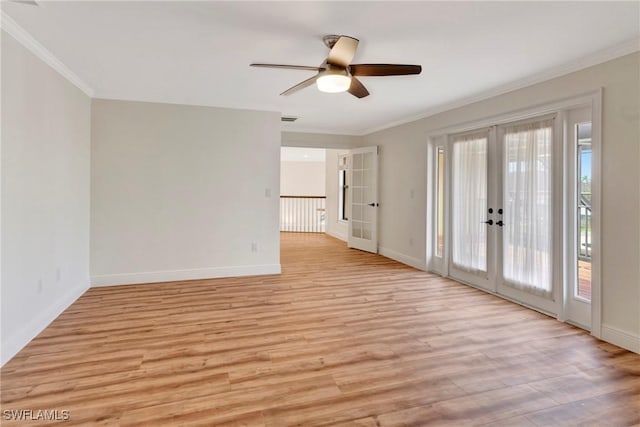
x=45 y=195
x=320 y=140
x=403 y=175
x=300 y=178
x=335 y=227
x=181 y=192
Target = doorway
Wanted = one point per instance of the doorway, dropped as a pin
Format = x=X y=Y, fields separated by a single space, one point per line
x=307 y=205
x=514 y=208
x=302 y=190
x=502 y=210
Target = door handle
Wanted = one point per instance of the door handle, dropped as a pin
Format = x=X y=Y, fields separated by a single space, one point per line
x=500 y=223
x=490 y=222
x=373 y=205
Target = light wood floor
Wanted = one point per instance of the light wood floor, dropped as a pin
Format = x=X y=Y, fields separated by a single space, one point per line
x=340 y=338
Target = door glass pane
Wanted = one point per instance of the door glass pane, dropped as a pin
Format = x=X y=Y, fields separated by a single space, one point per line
x=357 y=194
x=356 y=229
x=368 y=195
x=357 y=161
x=368 y=213
x=368 y=160
x=469 y=203
x=357 y=177
x=366 y=230
x=527 y=195
x=440 y=202
x=583 y=133
x=356 y=214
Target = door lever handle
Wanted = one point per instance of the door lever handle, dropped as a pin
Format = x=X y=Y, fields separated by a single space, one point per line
x=490 y=222
x=373 y=205
x=500 y=223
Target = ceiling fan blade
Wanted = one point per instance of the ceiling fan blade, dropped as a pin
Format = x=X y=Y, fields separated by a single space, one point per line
x=290 y=67
x=343 y=51
x=384 y=69
x=357 y=89
x=301 y=85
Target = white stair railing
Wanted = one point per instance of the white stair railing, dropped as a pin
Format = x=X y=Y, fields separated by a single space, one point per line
x=302 y=214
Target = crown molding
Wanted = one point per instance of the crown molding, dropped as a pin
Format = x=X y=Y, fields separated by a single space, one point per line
x=613 y=52
x=23 y=37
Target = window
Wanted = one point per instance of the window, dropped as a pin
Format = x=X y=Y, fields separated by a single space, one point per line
x=440 y=202
x=343 y=189
x=583 y=196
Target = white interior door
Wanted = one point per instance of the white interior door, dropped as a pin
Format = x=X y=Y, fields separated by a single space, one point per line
x=363 y=223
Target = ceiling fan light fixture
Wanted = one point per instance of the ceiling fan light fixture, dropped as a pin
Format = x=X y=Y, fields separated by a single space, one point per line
x=334 y=82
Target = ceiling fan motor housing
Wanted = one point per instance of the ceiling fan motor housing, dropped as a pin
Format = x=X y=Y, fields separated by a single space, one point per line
x=330 y=40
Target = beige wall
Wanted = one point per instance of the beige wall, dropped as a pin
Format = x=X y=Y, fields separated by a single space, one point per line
x=300 y=178
x=320 y=140
x=45 y=195
x=181 y=192
x=403 y=177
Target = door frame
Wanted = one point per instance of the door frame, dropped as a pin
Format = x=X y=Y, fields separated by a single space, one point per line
x=438 y=138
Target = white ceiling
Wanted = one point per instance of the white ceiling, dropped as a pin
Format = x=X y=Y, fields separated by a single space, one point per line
x=199 y=52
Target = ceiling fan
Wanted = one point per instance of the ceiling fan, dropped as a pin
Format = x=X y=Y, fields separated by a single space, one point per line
x=338 y=74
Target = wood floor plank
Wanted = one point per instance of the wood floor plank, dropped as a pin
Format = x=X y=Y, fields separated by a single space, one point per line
x=340 y=338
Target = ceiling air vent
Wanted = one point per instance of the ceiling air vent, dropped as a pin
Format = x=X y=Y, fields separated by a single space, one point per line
x=289 y=119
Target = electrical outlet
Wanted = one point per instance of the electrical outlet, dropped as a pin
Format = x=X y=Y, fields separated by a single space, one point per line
x=254 y=247
x=267 y=192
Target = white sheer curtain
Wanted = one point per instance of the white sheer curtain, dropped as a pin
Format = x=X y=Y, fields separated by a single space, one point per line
x=469 y=202
x=527 y=233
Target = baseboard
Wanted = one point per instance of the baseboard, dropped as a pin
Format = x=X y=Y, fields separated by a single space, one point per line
x=338 y=236
x=175 y=275
x=405 y=259
x=624 y=339
x=17 y=341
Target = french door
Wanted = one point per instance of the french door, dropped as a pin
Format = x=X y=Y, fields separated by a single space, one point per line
x=471 y=240
x=502 y=211
x=363 y=223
